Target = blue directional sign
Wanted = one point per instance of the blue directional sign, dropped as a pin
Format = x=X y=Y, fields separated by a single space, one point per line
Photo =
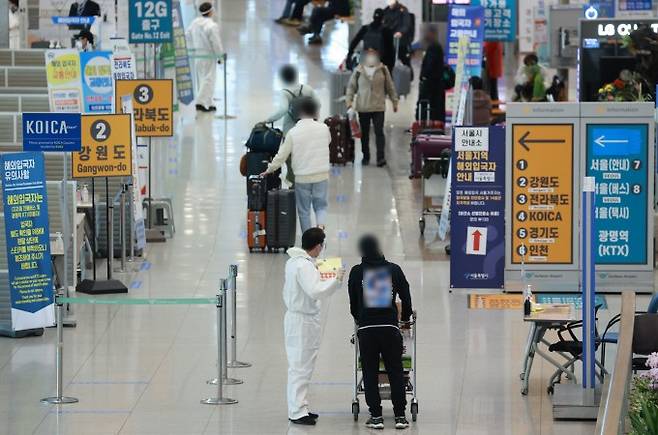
x=150 y=21
x=52 y=132
x=618 y=157
x=71 y=21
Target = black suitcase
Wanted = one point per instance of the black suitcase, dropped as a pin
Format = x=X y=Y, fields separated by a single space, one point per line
x=256 y=193
x=281 y=218
x=257 y=164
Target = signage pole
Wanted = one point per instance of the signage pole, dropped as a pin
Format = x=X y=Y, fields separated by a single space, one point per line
x=69 y=320
x=589 y=283
x=225 y=115
x=93 y=227
x=233 y=287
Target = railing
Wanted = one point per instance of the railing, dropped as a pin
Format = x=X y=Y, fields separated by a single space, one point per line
x=614 y=403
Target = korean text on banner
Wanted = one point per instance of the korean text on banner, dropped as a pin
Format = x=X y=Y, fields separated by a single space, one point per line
x=25 y=204
x=184 y=85
x=51 y=132
x=152 y=105
x=123 y=66
x=466 y=21
x=97 y=83
x=477 y=257
x=106 y=147
x=64 y=83
x=149 y=21
x=499 y=19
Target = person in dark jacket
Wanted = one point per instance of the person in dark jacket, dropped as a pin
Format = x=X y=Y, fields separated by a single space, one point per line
x=376 y=36
x=399 y=21
x=293 y=13
x=374 y=286
x=481 y=102
x=320 y=14
x=431 y=89
x=84 y=8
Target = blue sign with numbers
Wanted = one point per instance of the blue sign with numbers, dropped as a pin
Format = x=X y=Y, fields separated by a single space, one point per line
x=499 y=19
x=635 y=5
x=150 y=21
x=51 y=132
x=618 y=157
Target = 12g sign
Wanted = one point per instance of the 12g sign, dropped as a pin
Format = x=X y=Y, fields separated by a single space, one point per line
x=150 y=21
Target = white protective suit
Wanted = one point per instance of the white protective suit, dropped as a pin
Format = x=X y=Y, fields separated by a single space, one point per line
x=204 y=35
x=14 y=30
x=302 y=293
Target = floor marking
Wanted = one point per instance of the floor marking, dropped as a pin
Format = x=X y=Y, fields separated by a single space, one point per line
x=343 y=235
x=145 y=266
x=110 y=383
x=135 y=284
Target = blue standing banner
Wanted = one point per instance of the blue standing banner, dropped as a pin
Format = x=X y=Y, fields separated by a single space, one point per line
x=97 y=83
x=499 y=19
x=477 y=214
x=52 y=132
x=25 y=204
x=618 y=159
x=150 y=21
x=466 y=21
x=635 y=5
x=184 y=84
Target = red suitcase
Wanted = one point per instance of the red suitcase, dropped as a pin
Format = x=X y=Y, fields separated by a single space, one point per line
x=427 y=145
x=256 y=234
x=424 y=123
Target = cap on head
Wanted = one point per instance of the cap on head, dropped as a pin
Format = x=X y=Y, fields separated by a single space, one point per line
x=205 y=8
x=86 y=34
x=288 y=74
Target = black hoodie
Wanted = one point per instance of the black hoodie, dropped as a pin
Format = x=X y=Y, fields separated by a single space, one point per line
x=387 y=316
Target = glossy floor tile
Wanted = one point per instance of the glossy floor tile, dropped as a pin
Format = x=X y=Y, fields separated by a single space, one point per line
x=141 y=370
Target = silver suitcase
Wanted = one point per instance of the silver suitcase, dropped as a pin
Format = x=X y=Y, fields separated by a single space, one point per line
x=339 y=81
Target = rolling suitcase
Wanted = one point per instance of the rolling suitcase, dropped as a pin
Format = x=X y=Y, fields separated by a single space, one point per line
x=427 y=145
x=424 y=123
x=341 y=147
x=256 y=193
x=401 y=74
x=281 y=219
x=257 y=164
x=338 y=87
x=256 y=234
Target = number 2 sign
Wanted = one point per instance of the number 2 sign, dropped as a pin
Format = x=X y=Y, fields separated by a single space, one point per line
x=150 y=21
x=106 y=147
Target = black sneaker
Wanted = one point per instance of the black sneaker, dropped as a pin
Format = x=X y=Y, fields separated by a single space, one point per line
x=381 y=163
x=202 y=108
x=306 y=420
x=401 y=422
x=280 y=20
x=313 y=415
x=375 y=423
x=212 y=109
x=304 y=30
x=315 y=39
x=365 y=161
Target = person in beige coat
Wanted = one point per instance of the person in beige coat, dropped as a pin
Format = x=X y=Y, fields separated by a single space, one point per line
x=366 y=94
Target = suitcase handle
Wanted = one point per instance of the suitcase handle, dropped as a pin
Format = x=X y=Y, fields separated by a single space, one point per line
x=420 y=110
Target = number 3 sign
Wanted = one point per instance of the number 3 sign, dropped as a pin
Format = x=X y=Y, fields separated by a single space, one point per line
x=152 y=105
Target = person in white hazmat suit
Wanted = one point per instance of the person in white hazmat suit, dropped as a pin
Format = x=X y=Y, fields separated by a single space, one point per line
x=204 y=36
x=302 y=293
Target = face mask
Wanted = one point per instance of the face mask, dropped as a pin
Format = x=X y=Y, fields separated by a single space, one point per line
x=371 y=60
x=78 y=44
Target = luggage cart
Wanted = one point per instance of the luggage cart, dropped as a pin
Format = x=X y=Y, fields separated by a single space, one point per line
x=429 y=210
x=408 y=330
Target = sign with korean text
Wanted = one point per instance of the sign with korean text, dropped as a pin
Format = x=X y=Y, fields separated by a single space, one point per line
x=618 y=158
x=152 y=105
x=97 y=83
x=542 y=194
x=184 y=84
x=123 y=66
x=25 y=205
x=495 y=302
x=635 y=5
x=149 y=21
x=466 y=21
x=64 y=82
x=106 y=147
x=477 y=213
x=499 y=19
x=51 y=131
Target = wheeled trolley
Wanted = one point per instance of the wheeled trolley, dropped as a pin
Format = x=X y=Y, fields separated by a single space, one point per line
x=427 y=208
x=408 y=330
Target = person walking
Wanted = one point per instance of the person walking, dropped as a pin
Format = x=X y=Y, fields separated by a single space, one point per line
x=367 y=90
x=308 y=145
x=398 y=20
x=377 y=36
x=288 y=109
x=206 y=40
x=302 y=292
x=373 y=288
x=432 y=86
x=321 y=13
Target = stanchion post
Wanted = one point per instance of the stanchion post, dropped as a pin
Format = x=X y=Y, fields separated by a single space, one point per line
x=110 y=234
x=122 y=228
x=225 y=115
x=221 y=349
x=233 y=287
x=59 y=318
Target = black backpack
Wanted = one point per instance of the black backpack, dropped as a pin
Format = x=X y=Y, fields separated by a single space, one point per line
x=293 y=104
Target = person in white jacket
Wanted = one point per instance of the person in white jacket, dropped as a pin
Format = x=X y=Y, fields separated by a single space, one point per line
x=204 y=36
x=308 y=143
x=302 y=292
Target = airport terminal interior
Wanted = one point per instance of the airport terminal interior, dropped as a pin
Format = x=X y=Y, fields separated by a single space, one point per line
x=483 y=287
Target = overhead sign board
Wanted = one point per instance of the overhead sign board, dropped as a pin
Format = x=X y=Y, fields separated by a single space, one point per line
x=25 y=203
x=149 y=21
x=51 y=131
x=152 y=105
x=106 y=147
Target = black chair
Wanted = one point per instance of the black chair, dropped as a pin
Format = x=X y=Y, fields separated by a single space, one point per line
x=645 y=340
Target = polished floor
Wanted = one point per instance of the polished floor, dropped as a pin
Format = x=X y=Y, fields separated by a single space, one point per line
x=143 y=370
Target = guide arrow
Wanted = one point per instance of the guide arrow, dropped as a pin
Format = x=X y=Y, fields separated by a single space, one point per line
x=601 y=141
x=524 y=141
x=476 y=240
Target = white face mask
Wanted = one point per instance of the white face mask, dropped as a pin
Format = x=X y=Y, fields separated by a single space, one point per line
x=78 y=44
x=371 y=60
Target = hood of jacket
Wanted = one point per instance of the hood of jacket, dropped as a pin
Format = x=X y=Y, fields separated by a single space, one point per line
x=295 y=252
x=374 y=261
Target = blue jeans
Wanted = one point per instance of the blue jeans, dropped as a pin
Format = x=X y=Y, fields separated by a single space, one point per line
x=311 y=194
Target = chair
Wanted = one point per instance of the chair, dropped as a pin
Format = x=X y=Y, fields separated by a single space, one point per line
x=645 y=339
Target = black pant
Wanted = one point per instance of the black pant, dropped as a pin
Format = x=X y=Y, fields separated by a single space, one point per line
x=387 y=342
x=493 y=88
x=319 y=16
x=377 y=119
x=298 y=10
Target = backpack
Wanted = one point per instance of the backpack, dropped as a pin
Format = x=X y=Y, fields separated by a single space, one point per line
x=293 y=104
x=448 y=77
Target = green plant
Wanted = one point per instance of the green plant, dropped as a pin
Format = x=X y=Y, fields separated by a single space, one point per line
x=643 y=400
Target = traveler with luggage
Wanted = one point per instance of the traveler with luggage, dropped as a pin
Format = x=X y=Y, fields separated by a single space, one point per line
x=373 y=287
x=302 y=292
x=288 y=110
x=366 y=94
x=434 y=77
x=325 y=11
x=308 y=145
x=377 y=36
x=205 y=38
x=399 y=20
